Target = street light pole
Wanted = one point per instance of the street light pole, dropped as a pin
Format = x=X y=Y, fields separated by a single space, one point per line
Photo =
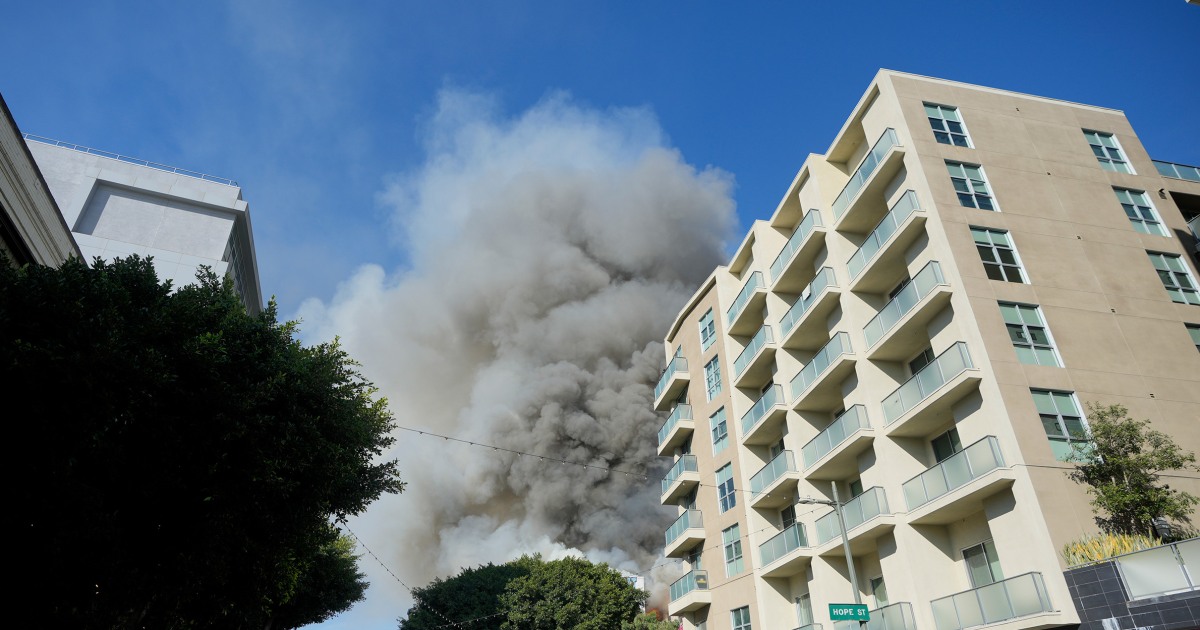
x=837 y=509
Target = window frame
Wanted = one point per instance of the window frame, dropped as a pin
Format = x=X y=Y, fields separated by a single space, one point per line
x=1194 y=332
x=1030 y=344
x=996 y=575
x=1106 y=161
x=744 y=622
x=1136 y=215
x=708 y=330
x=712 y=377
x=722 y=442
x=950 y=134
x=1064 y=434
x=731 y=545
x=970 y=186
x=1189 y=294
x=726 y=494
x=996 y=249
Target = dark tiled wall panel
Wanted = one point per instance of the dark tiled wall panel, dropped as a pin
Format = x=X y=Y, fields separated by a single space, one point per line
x=1102 y=603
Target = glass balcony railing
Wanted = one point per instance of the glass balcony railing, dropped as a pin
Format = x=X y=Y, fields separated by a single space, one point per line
x=954 y=361
x=843 y=426
x=681 y=412
x=883 y=232
x=1173 y=568
x=857 y=511
x=999 y=601
x=760 y=339
x=1194 y=226
x=687 y=463
x=1178 y=171
x=773 y=396
x=676 y=366
x=954 y=472
x=754 y=283
x=898 y=616
x=782 y=464
x=811 y=626
x=811 y=294
x=695 y=580
x=686 y=521
x=782 y=544
x=864 y=171
x=922 y=284
x=799 y=235
x=839 y=345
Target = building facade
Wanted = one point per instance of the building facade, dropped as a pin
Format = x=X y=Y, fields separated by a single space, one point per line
x=116 y=206
x=916 y=331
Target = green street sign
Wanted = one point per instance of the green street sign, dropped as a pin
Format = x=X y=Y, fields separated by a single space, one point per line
x=849 y=612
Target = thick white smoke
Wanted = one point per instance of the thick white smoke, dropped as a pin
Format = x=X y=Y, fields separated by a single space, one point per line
x=548 y=255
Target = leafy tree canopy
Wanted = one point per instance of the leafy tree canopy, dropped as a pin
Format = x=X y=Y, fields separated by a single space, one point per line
x=650 y=621
x=181 y=461
x=1122 y=467
x=472 y=594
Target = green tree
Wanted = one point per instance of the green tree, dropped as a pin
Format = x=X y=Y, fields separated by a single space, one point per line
x=649 y=621
x=472 y=594
x=571 y=593
x=1122 y=466
x=180 y=461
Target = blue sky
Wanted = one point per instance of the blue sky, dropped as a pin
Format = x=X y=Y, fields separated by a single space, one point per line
x=319 y=108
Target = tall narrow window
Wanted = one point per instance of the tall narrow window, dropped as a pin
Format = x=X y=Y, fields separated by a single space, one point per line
x=1029 y=334
x=1175 y=278
x=708 y=330
x=732 y=539
x=712 y=378
x=741 y=618
x=804 y=613
x=787 y=516
x=921 y=360
x=947 y=125
x=999 y=255
x=983 y=566
x=1194 y=331
x=946 y=445
x=879 y=591
x=970 y=185
x=1062 y=421
x=1140 y=212
x=720 y=431
x=1107 y=151
x=726 y=497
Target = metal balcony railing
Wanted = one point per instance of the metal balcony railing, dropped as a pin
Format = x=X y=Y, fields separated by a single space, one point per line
x=856 y=511
x=773 y=396
x=999 y=601
x=695 y=580
x=681 y=412
x=687 y=463
x=676 y=366
x=686 y=521
x=823 y=279
x=757 y=343
x=898 y=616
x=131 y=160
x=837 y=346
x=950 y=363
x=883 y=233
x=754 y=283
x=782 y=544
x=783 y=463
x=799 y=235
x=864 y=171
x=922 y=284
x=842 y=427
x=1177 y=171
x=954 y=472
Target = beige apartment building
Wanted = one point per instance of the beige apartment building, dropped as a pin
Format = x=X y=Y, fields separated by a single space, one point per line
x=919 y=327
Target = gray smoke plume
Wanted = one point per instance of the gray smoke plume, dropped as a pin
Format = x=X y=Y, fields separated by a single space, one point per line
x=548 y=255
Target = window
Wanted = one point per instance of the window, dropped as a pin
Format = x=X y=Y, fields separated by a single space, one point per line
x=787 y=516
x=1107 y=151
x=947 y=126
x=856 y=487
x=970 y=185
x=708 y=330
x=1029 y=334
x=741 y=618
x=694 y=559
x=1175 y=278
x=720 y=431
x=879 y=591
x=725 y=494
x=1140 y=212
x=999 y=255
x=1194 y=331
x=732 y=539
x=921 y=360
x=946 y=445
x=1062 y=421
x=983 y=566
x=775 y=449
x=804 y=614
x=712 y=377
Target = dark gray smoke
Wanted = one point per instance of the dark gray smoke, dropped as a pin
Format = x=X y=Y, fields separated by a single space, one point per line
x=549 y=255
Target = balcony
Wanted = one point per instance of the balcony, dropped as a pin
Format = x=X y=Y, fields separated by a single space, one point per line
x=872 y=266
x=898 y=616
x=676 y=430
x=685 y=533
x=1015 y=597
x=867 y=183
x=1194 y=226
x=672 y=382
x=785 y=554
x=957 y=486
x=1177 y=171
x=833 y=454
x=920 y=404
x=1161 y=571
x=898 y=331
x=681 y=479
x=752 y=368
x=689 y=593
x=746 y=312
x=790 y=270
x=867 y=518
x=803 y=326
x=775 y=485
x=761 y=425
x=818 y=385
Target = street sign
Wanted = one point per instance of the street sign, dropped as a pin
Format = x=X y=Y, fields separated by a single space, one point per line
x=849 y=612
